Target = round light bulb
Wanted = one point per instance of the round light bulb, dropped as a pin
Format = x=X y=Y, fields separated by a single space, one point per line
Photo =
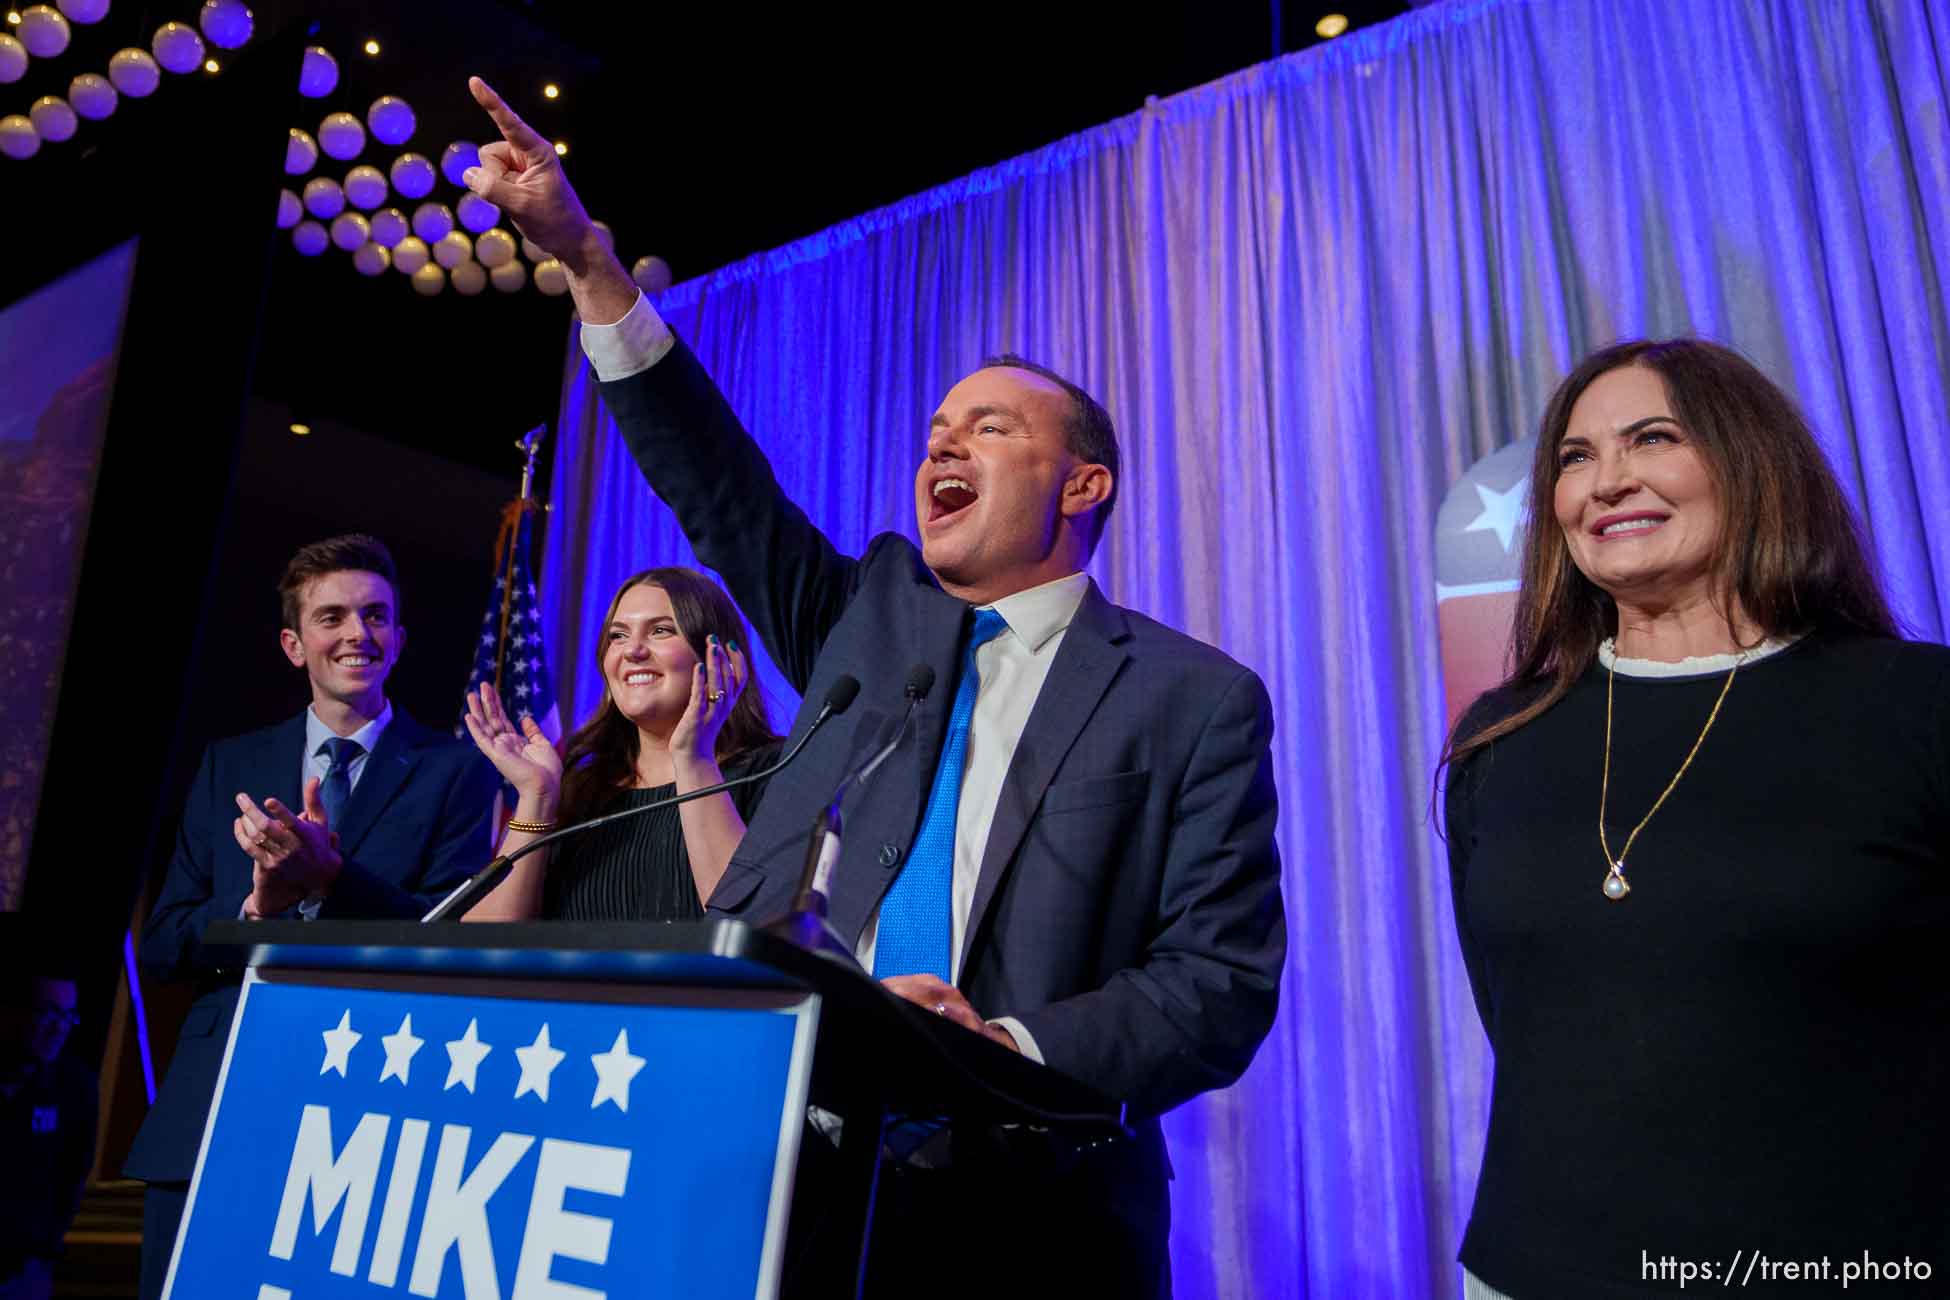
x=43 y=31
x=365 y=187
x=227 y=23
x=389 y=226
x=469 y=278
x=412 y=176
x=178 y=48
x=53 y=118
x=391 y=120
x=318 y=74
x=134 y=72
x=309 y=238
x=409 y=255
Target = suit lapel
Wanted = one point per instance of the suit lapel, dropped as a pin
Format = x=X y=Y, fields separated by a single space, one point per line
x=1086 y=662
x=386 y=770
x=937 y=638
x=283 y=766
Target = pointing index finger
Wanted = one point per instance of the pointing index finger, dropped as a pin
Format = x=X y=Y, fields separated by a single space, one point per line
x=517 y=132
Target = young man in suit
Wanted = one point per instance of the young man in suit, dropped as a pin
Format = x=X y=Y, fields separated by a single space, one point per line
x=394 y=815
x=1074 y=854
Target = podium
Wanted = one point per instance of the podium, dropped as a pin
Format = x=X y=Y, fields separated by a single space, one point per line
x=556 y=1111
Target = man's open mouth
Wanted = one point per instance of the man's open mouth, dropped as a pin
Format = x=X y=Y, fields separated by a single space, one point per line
x=950 y=496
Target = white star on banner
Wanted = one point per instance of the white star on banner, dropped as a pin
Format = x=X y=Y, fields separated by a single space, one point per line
x=1502 y=512
x=400 y=1047
x=538 y=1061
x=339 y=1043
x=464 y=1055
x=614 y=1070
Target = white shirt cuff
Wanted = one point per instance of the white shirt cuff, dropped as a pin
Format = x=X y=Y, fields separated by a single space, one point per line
x=1025 y=1041
x=631 y=345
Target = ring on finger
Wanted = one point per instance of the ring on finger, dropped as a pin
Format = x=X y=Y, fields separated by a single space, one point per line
x=714 y=696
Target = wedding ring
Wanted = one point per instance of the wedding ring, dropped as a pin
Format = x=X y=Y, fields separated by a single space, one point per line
x=714 y=696
x=941 y=1008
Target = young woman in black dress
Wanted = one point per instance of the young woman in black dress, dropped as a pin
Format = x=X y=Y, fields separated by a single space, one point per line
x=677 y=715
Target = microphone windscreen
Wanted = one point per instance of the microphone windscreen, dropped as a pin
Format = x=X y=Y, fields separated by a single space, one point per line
x=920 y=680
x=839 y=698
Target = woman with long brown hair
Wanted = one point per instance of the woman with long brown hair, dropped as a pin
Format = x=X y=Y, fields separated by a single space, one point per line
x=1699 y=844
x=676 y=716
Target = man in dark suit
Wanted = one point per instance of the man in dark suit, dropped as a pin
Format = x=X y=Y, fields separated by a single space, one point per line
x=1073 y=856
x=394 y=816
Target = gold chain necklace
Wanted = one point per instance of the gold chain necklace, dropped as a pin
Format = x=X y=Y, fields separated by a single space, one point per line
x=1616 y=886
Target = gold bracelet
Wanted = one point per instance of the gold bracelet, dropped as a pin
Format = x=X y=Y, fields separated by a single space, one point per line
x=530 y=828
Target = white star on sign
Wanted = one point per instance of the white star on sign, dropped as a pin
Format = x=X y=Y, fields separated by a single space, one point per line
x=400 y=1046
x=464 y=1055
x=1502 y=512
x=614 y=1070
x=538 y=1061
x=339 y=1043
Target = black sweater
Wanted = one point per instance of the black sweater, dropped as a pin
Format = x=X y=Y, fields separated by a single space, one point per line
x=1750 y=1053
x=639 y=869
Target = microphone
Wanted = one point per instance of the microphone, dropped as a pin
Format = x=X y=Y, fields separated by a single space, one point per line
x=823 y=847
x=839 y=698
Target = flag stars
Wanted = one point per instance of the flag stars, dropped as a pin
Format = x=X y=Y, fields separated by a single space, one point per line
x=400 y=1046
x=614 y=1070
x=464 y=1056
x=538 y=1061
x=339 y=1043
x=1502 y=512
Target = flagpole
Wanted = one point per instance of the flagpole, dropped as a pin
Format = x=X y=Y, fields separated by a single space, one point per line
x=529 y=443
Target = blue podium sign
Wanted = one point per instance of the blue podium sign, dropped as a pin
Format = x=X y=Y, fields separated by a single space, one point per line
x=487 y=1144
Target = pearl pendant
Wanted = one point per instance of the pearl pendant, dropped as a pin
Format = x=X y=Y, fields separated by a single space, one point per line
x=1616 y=886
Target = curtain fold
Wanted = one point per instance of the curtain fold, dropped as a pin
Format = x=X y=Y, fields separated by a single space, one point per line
x=1311 y=294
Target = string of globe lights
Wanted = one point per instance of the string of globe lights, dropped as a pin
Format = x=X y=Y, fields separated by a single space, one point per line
x=43 y=32
x=463 y=244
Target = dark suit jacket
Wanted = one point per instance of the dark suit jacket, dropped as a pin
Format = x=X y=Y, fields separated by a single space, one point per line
x=416 y=826
x=1128 y=909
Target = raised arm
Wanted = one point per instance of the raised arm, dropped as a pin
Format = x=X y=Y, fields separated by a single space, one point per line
x=696 y=455
x=522 y=175
x=528 y=761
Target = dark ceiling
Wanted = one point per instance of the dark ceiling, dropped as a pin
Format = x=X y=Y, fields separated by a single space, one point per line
x=700 y=133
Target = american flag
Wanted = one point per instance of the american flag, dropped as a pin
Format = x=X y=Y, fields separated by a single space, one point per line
x=509 y=652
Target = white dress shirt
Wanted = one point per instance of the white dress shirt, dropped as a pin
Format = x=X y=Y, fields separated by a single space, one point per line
x=317 y=764
x=1013 y=668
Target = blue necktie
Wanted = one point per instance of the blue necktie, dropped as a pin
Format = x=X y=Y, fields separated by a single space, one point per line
x=914 y=917
x=336 y=789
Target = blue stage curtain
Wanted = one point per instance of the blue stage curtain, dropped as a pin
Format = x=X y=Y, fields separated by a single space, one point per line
x=1311 y=294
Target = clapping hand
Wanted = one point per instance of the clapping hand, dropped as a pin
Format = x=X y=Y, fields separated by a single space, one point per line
x=526 y=758
x=292 y=858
